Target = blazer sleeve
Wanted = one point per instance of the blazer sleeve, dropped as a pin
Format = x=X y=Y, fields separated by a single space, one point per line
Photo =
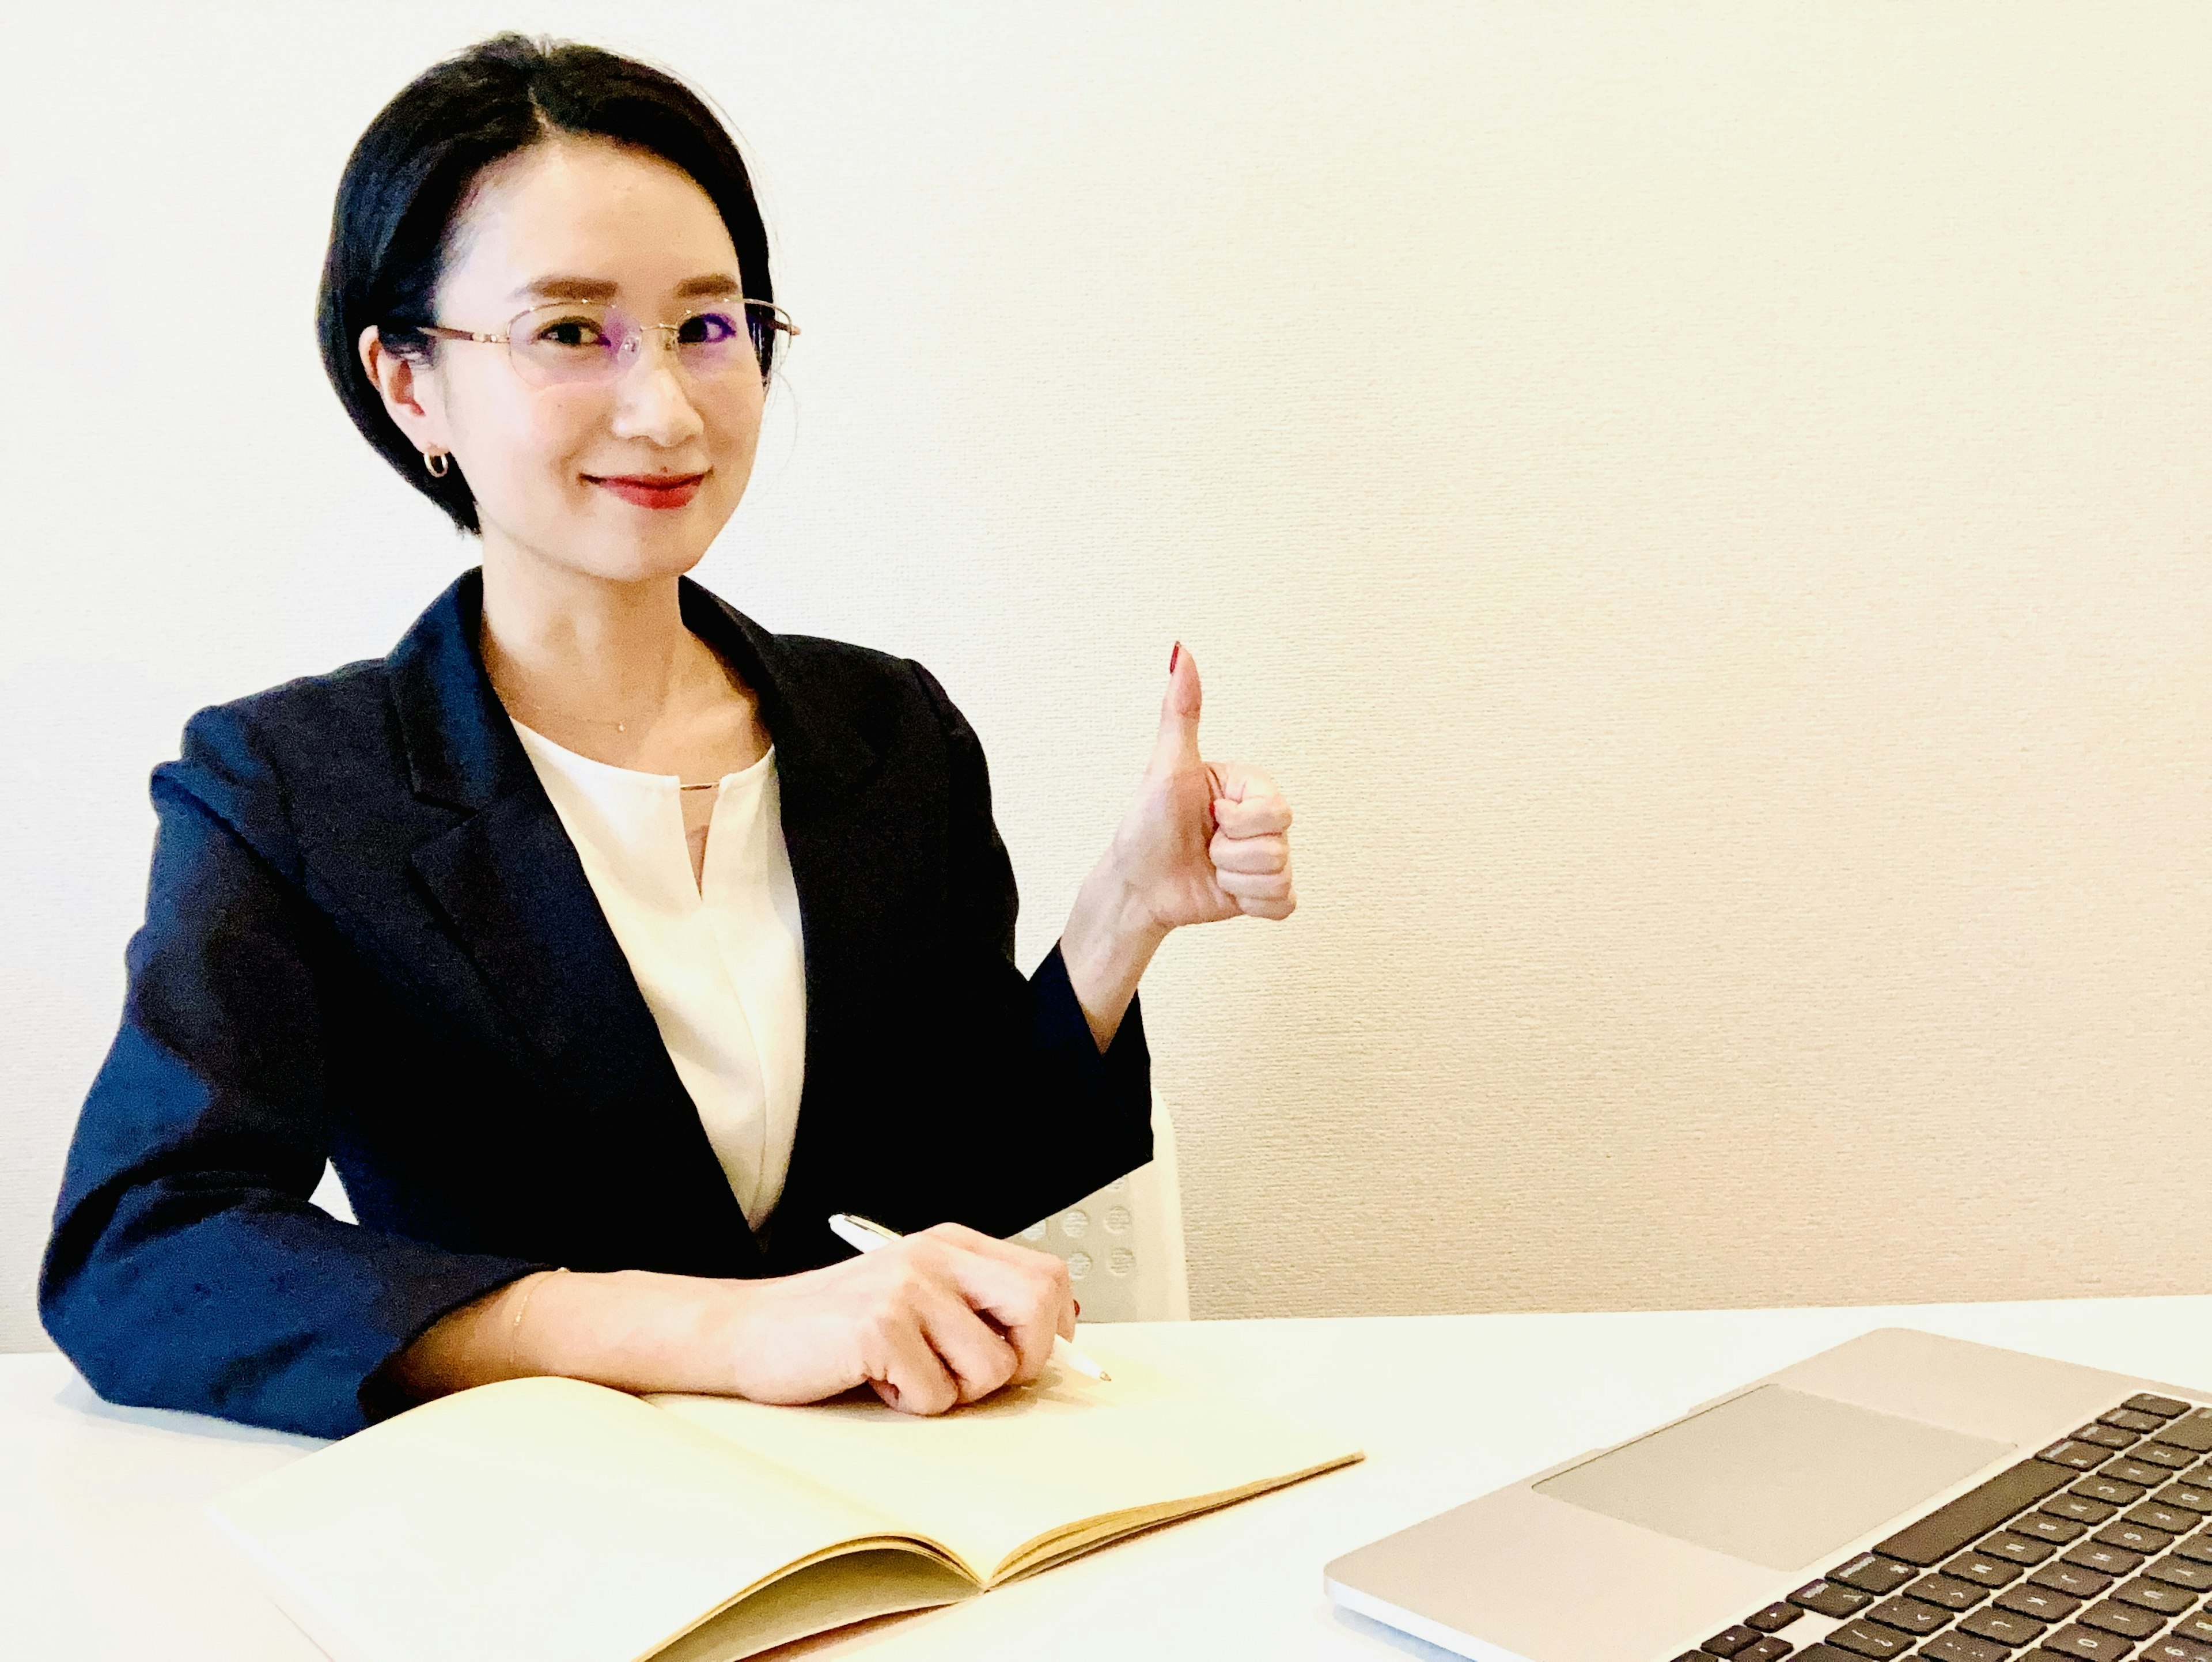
x=187 y=1267
x=1055 y=1118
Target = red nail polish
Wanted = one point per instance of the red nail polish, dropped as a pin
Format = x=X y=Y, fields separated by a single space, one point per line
x=1175 y=657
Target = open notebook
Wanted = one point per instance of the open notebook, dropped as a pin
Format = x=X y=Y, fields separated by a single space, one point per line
x=563 y=1522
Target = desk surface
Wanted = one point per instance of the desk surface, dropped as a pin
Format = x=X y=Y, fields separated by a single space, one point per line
x=104 y=1556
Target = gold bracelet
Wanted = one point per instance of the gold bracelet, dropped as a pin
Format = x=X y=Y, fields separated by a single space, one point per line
x=516 y=1328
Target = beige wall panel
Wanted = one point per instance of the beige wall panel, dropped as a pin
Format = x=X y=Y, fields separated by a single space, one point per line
x=1704 y=508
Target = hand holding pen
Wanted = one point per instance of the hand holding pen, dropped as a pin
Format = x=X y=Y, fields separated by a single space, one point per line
x=867 y=1235
x=929 y=1321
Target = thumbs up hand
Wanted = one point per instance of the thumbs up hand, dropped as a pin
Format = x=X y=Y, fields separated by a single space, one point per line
x=1204 y=840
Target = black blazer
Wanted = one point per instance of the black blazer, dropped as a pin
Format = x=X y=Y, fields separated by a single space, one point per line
x=368 y=938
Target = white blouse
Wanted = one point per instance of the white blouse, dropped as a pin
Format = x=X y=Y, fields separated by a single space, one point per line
x=719 y=958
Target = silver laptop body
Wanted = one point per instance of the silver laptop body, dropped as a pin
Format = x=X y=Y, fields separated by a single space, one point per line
x=1646 y=1551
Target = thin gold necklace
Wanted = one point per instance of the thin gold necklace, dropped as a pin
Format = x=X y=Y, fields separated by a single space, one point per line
x=624 y=727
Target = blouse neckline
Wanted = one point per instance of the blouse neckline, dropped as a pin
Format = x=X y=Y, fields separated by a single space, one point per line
x=612 y=773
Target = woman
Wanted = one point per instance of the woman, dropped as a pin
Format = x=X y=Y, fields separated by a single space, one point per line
x=432 y=917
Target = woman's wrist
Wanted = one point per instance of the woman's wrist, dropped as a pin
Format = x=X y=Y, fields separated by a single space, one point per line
x=635 y=1330
x=1110 y=938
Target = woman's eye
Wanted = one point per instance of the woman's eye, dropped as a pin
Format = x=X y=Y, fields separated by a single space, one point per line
x=575 y=333
x=706 y=329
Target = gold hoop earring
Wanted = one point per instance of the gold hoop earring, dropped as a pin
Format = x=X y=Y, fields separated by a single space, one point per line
x=438 y=462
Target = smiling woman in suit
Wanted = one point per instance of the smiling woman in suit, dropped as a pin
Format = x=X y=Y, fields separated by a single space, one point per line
x=605 y=942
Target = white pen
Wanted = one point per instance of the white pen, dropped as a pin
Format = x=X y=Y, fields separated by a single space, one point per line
x=866 y=1235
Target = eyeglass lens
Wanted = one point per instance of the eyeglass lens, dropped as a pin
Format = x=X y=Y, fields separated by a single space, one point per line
x=573 y=342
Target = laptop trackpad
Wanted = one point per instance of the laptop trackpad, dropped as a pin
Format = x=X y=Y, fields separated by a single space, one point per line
x=1775 y=1476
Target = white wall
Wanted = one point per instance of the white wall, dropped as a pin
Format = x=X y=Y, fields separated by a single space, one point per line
x=1704 y=507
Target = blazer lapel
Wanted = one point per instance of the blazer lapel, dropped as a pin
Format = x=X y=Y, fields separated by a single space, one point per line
x=507 y=879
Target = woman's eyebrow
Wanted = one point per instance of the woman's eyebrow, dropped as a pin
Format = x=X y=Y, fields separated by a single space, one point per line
x=584 y=288
x=567 y=288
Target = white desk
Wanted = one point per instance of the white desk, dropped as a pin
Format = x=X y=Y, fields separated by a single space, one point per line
x=103 y=1555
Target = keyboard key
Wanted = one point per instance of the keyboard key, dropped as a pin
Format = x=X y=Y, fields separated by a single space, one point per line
x=2103 y=1487
x=2157 y=1515
x=2128 y=1420
x=2041 y=1603
x=2082 y=1456
x=2106 y=1560
x=2073 y=1504
x=2059 y=1532
x=1909 y=1616
x=1824 y=1653
x=2165 y=1454
x=2165 y=1407
x=2128 y=1620
x=2170 y=1649
x=2189 y=1496
x=2160 y=1595
x=2088 y=1644
x=2194 y=1432
x=1948 y=1590
x=1958 y=1523
x=1729 y=1641
x=1769 y=1649
x=2128 y=1470
x=2133 y=1538
x=1871 y=1574
x=2197 y=1547
x=1957 y=1648
x=2064 y=1577
x=2006 y=1629
x=1773 y=1618
x=2019 y=1549
x=1827 y=1599
x=2198 y=1627
x=2105 y=1436
x=1983 y=1571
x=1864 y=1638
x=2181 y=1573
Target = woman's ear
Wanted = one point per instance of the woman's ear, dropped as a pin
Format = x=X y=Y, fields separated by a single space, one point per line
x=411 y=396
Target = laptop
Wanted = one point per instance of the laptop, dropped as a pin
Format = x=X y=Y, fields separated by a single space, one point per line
x=1901 y=1496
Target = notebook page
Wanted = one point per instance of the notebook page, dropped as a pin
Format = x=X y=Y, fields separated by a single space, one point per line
x=990 y=1479
x=541 y=1517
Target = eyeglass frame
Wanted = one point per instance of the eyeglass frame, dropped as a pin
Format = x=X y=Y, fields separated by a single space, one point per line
x=778 y=319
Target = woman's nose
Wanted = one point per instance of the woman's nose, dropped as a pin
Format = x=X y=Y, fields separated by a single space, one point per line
x=651 y=400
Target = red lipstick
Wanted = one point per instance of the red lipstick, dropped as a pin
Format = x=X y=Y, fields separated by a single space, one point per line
x=653 y=490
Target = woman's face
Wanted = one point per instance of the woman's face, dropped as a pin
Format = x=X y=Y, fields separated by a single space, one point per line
x=555 y=468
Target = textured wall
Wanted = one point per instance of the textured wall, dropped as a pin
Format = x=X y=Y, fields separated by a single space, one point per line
x=1703 y=508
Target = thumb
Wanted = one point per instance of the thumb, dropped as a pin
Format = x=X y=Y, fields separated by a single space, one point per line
x=1178 y=746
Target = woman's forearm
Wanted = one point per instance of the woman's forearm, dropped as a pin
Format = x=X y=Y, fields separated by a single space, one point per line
x=944 y=1316
x=635 y=1330
x=1110 y=937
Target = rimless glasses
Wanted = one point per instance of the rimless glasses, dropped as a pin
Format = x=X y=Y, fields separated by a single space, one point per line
x=585 y=342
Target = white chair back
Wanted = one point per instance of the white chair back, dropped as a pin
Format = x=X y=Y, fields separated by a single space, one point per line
x=1124 y=1244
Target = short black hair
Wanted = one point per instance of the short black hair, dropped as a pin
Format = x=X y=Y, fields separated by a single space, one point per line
x=390 y=227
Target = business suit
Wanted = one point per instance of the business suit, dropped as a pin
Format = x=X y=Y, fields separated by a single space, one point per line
x=368 y=938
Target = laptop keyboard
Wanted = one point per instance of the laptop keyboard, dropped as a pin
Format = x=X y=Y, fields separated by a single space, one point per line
x=2095 y=1550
